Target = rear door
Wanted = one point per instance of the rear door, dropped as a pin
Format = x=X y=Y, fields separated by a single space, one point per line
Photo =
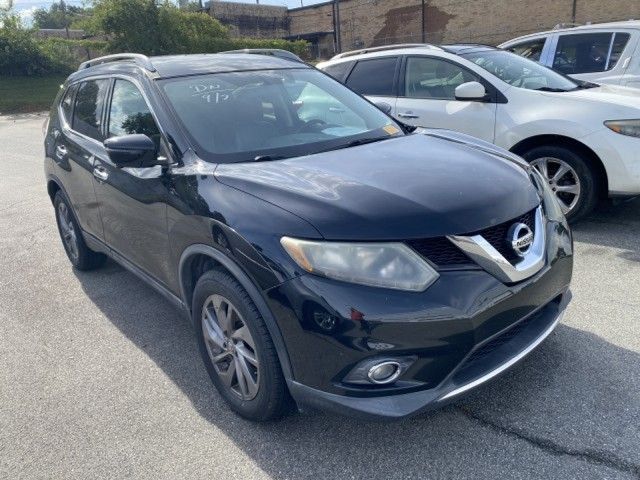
x=133 y=200
x=78 y=144
x=376 y=78
x=427 y=98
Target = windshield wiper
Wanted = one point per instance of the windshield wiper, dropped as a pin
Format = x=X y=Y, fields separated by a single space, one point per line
x=268 y=158
x=550 y=89
x=363 y=141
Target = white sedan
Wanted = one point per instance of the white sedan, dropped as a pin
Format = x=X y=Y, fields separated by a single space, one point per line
x=583 y=137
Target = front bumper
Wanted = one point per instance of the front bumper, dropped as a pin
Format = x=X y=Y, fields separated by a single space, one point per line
x=463 y=330
x=485 y=362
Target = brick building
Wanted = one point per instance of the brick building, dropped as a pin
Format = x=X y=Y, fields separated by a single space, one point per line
x=378 y=22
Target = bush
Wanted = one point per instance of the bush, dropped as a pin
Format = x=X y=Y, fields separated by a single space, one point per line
x=140 y=26
x=20 y=52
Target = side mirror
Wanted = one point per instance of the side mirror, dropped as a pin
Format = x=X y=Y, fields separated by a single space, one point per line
x=135 y=150
x=385 y=107
x=471 y=91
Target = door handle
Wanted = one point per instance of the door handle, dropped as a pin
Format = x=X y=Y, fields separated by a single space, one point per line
x=336 y=110
x=101 y=173
x=408 y=115
x=61 y=152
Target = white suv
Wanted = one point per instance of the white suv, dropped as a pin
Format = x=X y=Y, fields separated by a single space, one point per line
x=583 y=137
x=603 y=53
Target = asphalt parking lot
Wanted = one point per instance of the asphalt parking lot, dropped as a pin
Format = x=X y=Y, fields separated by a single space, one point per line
x=100 y=377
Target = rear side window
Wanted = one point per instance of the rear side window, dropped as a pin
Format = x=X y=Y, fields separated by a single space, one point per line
x=87 y=114
x=374 y=77
x=129 y=113
x=66 y=106
x=339 y=71
x=589 y=52
x=531 y=49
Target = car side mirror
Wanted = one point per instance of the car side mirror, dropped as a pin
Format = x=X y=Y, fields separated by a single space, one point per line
x=385 y=107
x=134 y=150
x=471 y=92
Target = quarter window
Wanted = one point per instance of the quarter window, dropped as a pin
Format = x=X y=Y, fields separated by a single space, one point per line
x=531 y=49
x=589 y=52
x=87 y=113
x=373 y=77
x=129 y=113
x=67 y=104
x=339 y=70
x=434 y=78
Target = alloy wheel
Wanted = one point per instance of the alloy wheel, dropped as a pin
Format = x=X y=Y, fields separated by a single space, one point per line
x=69 y=235
x=231 y=347
x=563 y=181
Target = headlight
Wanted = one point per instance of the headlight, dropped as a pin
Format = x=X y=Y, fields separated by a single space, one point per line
x=387 y=265
x=549 y=201
x=630 y=128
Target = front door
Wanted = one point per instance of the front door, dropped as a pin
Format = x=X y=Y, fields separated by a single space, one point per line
x=427 y=98
x=133 y=200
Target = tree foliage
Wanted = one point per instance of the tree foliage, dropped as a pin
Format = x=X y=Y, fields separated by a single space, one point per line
x=59 y=15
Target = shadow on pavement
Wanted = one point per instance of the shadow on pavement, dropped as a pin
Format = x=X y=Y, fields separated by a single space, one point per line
x=616 y=226
x=576 y=390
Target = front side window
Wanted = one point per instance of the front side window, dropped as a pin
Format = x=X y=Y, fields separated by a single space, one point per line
x=373 y=77
x=87 y=114
x=129 y=113
x=531 y=49
x=243 y=116
x=520 y=72
x=434 y=78
x=589 y=52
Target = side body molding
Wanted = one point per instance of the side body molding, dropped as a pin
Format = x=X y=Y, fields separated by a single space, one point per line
x=483 y=253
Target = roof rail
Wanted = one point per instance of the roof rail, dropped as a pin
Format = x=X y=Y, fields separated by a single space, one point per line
x=274 y=52
x=385 y=47
x=139 y=59
x=561 y=26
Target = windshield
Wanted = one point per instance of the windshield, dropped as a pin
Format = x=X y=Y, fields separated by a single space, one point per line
x=268 y=115
x=520 y=72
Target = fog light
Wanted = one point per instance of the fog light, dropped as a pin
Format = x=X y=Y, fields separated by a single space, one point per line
x=385 y=372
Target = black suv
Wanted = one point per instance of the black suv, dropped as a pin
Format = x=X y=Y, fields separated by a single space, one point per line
x=327 y=255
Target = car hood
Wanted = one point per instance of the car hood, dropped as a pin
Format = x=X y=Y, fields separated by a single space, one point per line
x=613 y=95
x=413 y=186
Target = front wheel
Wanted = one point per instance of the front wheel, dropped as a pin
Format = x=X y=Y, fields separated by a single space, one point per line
x=569 y=176
x=237 y=349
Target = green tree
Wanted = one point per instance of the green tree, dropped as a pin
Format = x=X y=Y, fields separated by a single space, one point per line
x=59 y=15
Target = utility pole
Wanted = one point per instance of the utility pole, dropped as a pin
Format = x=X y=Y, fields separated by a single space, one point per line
x=574 y=7
x=336 y=26
x=424 y=32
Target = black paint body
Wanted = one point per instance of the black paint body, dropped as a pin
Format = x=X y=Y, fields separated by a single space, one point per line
x=165 y=227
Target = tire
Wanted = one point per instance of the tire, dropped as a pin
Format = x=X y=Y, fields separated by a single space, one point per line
x=574 y=206
x=79 y=254
x=218 y=297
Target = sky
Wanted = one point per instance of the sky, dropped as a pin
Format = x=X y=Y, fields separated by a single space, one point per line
x=25 y=8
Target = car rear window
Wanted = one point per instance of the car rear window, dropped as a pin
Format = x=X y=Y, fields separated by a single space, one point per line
x=373 y=77
x=87 y=114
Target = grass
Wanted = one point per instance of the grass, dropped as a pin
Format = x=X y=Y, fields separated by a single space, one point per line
x=28 y=94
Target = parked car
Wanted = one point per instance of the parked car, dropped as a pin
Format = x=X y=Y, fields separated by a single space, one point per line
x=332 y=258
x=601 y=53
x=582 y=137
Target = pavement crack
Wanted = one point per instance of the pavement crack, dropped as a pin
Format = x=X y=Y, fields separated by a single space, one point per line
x=593 y=456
